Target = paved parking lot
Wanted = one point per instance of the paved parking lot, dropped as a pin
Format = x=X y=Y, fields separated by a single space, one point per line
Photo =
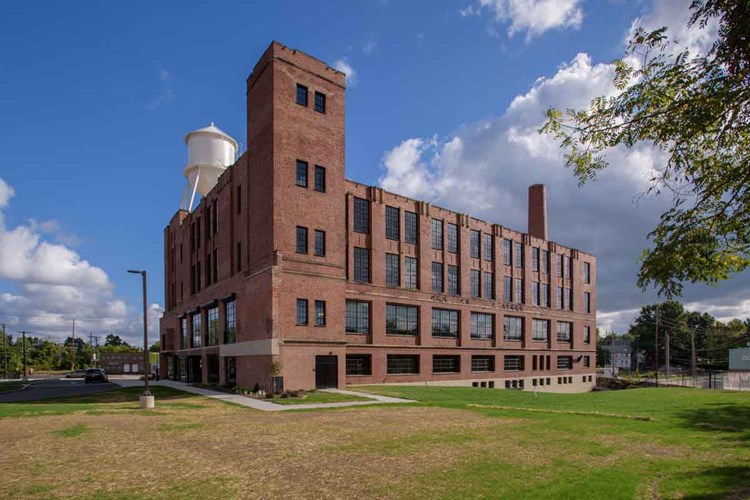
x=55 y=388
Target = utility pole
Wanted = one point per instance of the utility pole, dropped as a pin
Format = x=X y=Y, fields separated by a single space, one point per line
x=75 y=349
x=147 y=399
x=612 y=335
x=656 y=347
x=24 y=355
x=693 y=359
x=666 y=353
x=5 y=351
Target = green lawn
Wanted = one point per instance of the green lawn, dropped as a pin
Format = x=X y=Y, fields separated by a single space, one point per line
x=455 y=443
x=318 y=397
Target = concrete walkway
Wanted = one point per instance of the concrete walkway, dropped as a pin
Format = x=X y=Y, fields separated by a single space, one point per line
x=261 y=404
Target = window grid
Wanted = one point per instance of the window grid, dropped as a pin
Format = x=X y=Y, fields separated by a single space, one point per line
x=544 y=294
x=437 y=234
x=212 y=316
x=586 y=302
x=320 y=102
x=230 y=323
x=320 y=179
x=586 y=334
x=474 y=243
x=545 y=262
x=410 y=227
x=444 y=323
x=358 y=364
x=565 y=362
x=197 y=329
x=392 y=223
x=518 y=251
x=392 y=277
x=507 y=289
x=535 y=259
x=320 y=313
x=518 y=291
x=361 y=265
x=452 y=238
x=411 y=273
x=437 y=277
x=489 y=286
x=446 y=364
x=301 y=239
x=513 y=363
x=507 y=249
x=402 y=364
x=587 y=272
x=475 y=283
x=483 y=363
x=361 y=216
x=539 y=330
x=301 y=311
x=564 y=330
x=301 y=95
x=302 y=173
x=559 y=298
x=184 y=333
x=482 y=326
x=320 y=243
x=512 y=328
x=401 y=319
x=488 y=252
x=453 y=283
x=535 y=293
x=357 y=316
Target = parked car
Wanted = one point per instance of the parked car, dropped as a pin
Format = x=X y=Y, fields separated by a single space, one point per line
x=77 y=374
x=95 y=375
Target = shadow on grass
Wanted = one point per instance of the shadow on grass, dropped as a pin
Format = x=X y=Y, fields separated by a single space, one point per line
x=728 y=482
x=122 y=395
x=729 y=420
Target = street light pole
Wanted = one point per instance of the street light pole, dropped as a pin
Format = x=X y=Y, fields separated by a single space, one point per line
x=147 y=400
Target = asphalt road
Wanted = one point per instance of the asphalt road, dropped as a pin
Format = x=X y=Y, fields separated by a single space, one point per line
x=49 y=389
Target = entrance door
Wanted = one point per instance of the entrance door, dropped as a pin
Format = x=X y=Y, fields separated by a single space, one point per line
x=326 y=372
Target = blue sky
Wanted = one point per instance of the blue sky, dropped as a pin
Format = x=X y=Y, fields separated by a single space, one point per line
x=96 y=98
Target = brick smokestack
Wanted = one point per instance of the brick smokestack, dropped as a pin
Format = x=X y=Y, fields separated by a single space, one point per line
x=538 y=211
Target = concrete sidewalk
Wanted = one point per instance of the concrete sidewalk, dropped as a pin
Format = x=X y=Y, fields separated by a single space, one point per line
x=260 y=404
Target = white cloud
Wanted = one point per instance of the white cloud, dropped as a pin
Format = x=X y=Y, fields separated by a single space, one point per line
x=485 y=169
x=54 y=285
x=369 y=47
x=346 y=68
x=534 y=17
x=165 y=90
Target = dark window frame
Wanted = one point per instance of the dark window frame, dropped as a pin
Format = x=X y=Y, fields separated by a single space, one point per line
x=319 y=244
x=299 y=99
x=302 y=312
x=358 y=317
x=320 y=179
x=302 y=240
x=301 y=178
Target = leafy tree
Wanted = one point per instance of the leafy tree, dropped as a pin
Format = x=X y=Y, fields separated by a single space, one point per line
x=114 y=340
x=696 y=109
x=642 y=331
x=156 y=347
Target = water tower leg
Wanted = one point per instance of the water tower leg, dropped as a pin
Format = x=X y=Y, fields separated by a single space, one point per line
x=195 y=189
x=184 y=197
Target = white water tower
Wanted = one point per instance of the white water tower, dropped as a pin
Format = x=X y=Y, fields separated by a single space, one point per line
x=210 y=152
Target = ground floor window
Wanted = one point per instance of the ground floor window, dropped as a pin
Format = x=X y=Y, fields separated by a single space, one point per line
x=446 y=364
x=564 y=362
x=483 y=363
x=513 y=363
x=230 y=367
x=403 y=364
x=358 y=364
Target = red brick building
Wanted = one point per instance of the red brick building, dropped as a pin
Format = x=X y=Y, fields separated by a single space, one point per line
x=288 y=269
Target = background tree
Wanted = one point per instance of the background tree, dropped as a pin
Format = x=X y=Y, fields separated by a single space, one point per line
x=155 y=347
x=695 y=108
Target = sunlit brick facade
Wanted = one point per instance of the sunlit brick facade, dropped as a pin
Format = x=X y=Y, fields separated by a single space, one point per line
x=288 y=270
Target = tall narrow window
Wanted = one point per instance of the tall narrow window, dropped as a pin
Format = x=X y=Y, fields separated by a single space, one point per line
x=544 y=294
x=474 y=238
x=302 y=173
x=569 y=299
x=196 y=329
x=475 y=283
x=320 y=313
x=184 y=332
x=361 y=216
x=452 y=237
x=559 y=298
x=587 y=272
x=544 y=261
x=411 y=273
x=535 y=259
x=507 y=289
x=392 y=275
x=534 y=293
x=212 y=315
x=301 y=311
x=320 y=178
x=518 y=257
x=559 y=263
x=320 y=243
x=320 y=102
x=586 y=334
x=361 y=265
x=518 y=292
x=392 y=223
x=453 y=282
x=357 y=316
x=507 y=255
x=239 y=256
x=437 y=234
x=488 y=250
x=489 y=285
x=437 y=277
x=239 y=199
x=230 y=323
x=410 y=227
x=301 y=239
x=301 y=95
x=586 y=302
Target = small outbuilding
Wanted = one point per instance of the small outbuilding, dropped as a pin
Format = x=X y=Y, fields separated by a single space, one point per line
x=738 y=377
x=122 y=363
